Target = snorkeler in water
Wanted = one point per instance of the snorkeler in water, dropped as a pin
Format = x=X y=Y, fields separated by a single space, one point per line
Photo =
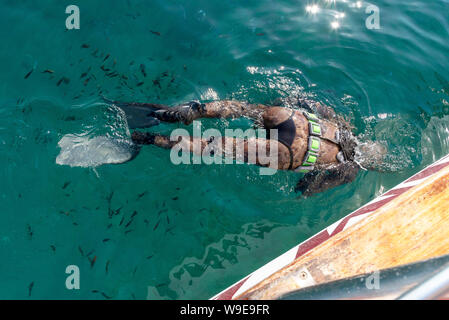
x=311 y=137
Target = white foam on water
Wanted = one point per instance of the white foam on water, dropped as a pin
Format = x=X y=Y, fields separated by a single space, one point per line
x=83 y=151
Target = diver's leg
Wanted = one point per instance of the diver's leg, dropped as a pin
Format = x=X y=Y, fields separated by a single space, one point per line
x=162 y=141
x=244 y=150
x=273 y=116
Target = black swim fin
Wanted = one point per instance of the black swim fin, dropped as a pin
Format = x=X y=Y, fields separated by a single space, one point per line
x=139 y=115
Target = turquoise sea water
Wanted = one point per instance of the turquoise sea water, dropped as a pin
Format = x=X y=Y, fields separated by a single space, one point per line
x=198 y=228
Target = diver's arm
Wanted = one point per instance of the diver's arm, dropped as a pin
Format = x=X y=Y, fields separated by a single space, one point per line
x=217 y=109
x=144 y=115
x=233 y=109
x=322 y=180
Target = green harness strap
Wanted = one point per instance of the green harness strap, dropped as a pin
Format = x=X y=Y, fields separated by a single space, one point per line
x=314 y=144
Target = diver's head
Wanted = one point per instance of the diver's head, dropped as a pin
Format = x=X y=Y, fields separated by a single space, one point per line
x=370 y=155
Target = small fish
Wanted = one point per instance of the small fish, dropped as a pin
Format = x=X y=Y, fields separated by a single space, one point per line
x=29 y=232
x=117 y=212
x=81 y=251
x=142 y=69
x=107 y=266
x=141 y=195
x=92 y=261
x=30 y=288
x=28 y=74
x=106 y=58
x=48 y=71
x=106 y=296
x=156 y=82
x=85 y=46
x=175 y=198
x=134 y=214
x=66 y=185
x=63 y=80
x=155 y=32
x=149 y=257
x=168 y=220
x=169 y=230
x=53 y=248
x=139 y=84
x=95 y=291
x=126 y=232
x=106 y=240
x=129 y=223
x=204 y=192
x=121 y=221
x=157 y=224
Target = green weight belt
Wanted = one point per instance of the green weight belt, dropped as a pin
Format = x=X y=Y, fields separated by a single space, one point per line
x=313 y=147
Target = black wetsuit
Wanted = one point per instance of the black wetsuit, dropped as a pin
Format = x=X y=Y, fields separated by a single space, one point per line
x=286 y=135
